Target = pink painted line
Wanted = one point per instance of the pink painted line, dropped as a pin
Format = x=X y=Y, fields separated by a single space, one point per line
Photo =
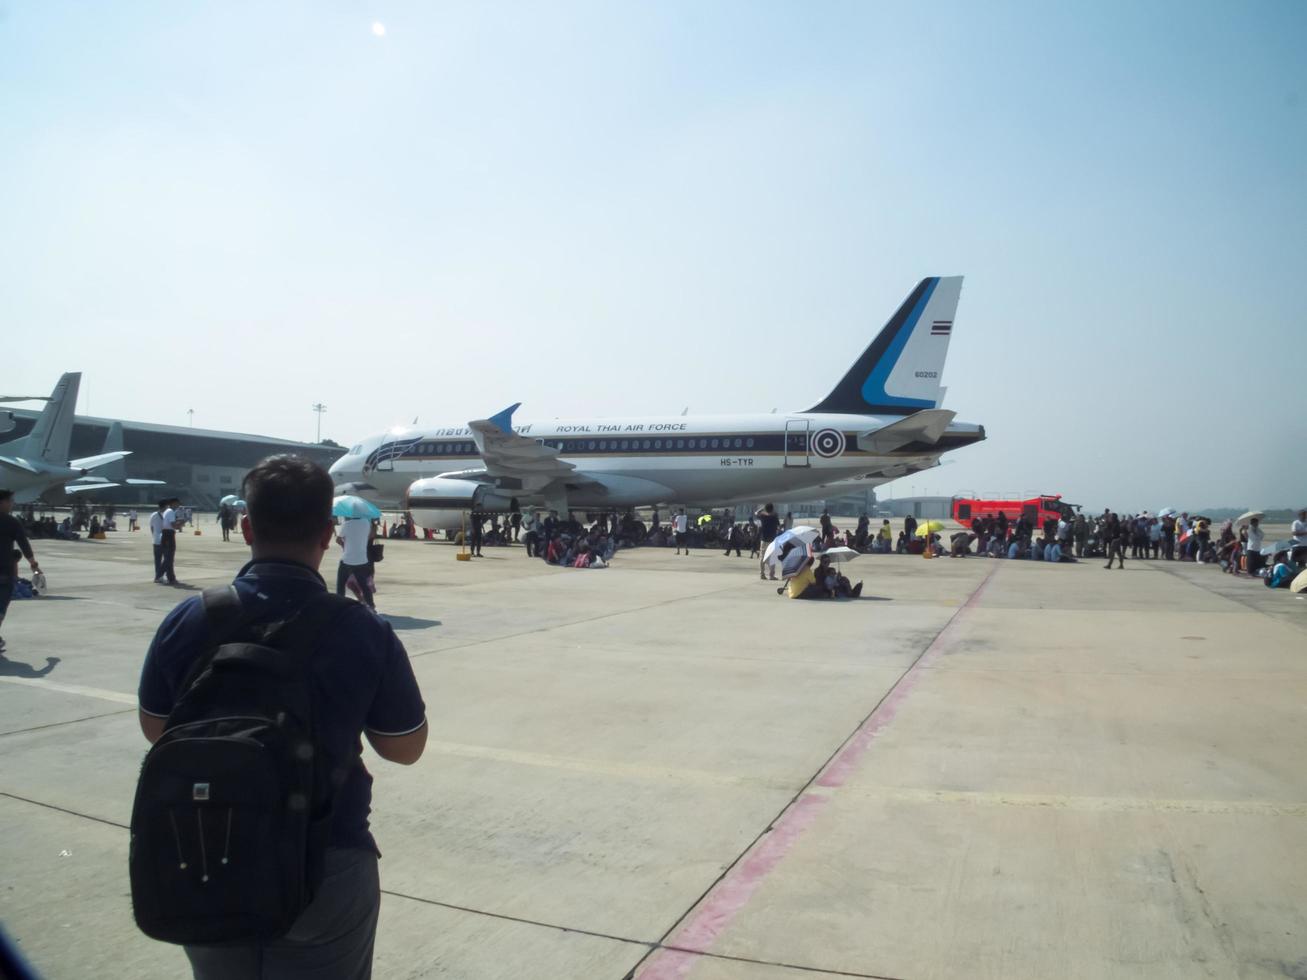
x=730 y=895
x=842 y=766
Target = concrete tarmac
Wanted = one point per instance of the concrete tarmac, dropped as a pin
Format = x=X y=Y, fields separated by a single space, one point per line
x=663 y=770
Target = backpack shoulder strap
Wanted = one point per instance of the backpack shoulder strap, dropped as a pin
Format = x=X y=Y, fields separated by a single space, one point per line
x=225 y=616
x=223 y=610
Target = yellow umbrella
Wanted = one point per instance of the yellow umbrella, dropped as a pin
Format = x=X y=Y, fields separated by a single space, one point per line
x=705 y=519
x=929 y=527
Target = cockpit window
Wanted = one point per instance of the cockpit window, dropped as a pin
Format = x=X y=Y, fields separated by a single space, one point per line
x=356 y=450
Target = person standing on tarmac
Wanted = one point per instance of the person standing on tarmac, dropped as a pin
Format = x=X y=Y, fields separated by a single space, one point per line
x=732 y=540
x=355 y=536
x=1117 y=535
x=166 y=540
x=12 y=536
x=681 y=528
x=768 y=526
x=474 y=535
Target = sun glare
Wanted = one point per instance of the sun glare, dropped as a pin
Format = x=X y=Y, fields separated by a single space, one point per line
x=378 y=28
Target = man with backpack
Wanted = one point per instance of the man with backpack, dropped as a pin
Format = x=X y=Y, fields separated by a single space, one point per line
x=250 y=840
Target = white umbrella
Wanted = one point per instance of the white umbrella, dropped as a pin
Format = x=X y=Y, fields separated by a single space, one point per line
x=840 y=554
x=1167 y=512
x=231 y=498
x=1248 y=515
x=1285 y=545
x=803 y=534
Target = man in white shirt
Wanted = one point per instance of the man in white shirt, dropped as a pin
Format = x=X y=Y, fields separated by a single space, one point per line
x=356 y=534
x=681 y=527
x=156 y=535
x=1253 y=547
x=1299 y=531
x=169 y=521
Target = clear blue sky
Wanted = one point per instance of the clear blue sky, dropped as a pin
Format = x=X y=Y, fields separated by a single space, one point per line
x=617 y=208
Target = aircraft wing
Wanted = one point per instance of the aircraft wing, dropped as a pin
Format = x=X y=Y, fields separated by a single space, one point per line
x=14 y=463
x=147 y=483
x=924 y=426
x=508 y=454
x=91 y=462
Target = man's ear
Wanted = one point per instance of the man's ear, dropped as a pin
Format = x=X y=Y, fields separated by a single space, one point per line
x=245 y=529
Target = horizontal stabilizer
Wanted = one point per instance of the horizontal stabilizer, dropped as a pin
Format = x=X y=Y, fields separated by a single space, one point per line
x=83 y=487
x=18 y=464
x=924 y=426
x=91 y=462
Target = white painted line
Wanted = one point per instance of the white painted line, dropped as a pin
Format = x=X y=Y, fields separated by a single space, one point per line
x=87 y=692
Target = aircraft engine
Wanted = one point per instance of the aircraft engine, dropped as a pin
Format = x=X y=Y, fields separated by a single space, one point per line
x=442 y=504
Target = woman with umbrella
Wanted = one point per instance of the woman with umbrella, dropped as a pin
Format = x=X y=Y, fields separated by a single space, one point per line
x=355 y=537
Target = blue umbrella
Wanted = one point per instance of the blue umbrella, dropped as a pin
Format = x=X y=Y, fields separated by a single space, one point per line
x=351 y=506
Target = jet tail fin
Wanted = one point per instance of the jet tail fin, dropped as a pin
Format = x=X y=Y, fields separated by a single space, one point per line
x=901 y=371
x=115 y=470
x=50 y=437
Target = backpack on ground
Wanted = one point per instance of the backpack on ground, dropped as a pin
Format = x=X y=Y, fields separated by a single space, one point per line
x=233 y=806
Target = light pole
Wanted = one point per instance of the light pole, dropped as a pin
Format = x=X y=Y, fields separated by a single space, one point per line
x=319 y=408
x=190 y=415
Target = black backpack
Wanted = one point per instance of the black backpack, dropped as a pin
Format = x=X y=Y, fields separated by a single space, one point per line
x=233 y=806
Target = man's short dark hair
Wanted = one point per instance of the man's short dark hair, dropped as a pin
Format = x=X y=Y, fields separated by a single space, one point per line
x=6 y=494
x=288 y=499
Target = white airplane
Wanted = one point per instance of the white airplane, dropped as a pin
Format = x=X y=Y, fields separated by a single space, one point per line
x=881 y=422
x=33 y=464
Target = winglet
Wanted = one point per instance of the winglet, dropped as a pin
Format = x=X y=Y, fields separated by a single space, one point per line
x=504 y=420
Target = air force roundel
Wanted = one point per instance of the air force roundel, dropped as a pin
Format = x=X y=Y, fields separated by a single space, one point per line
x=828 y=443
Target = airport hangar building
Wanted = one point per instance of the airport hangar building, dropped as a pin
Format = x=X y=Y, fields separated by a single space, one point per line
x=198 y=465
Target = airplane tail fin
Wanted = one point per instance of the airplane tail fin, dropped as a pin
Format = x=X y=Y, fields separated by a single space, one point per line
x=901 y=371
x=113 y=443
x=50 y=437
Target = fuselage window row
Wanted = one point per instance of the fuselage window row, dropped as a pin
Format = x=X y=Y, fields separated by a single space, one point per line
x=428 y=449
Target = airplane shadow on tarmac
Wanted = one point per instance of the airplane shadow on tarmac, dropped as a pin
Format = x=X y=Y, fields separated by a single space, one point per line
x=409 y=622
x=15 y=668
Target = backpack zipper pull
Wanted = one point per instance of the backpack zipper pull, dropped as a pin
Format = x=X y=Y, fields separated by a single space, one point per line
x=177 y=839
x=204 y=860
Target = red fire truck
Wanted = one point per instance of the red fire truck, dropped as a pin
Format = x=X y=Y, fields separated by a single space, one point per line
x=1036 y=510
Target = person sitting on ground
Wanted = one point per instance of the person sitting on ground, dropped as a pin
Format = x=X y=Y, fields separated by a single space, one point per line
x=885 y=538
x=553 y=553
x=834 y=583
x=902 y=545
x=803 y=583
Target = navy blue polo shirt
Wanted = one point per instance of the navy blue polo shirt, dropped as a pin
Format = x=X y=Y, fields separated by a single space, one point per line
x=361 y=673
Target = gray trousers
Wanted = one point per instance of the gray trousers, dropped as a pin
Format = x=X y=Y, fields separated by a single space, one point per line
x=331 y=940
